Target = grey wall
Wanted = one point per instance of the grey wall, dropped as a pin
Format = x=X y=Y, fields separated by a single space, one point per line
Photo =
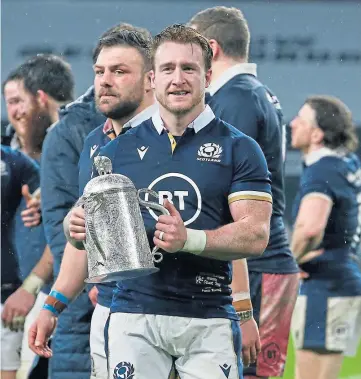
x=301 y=47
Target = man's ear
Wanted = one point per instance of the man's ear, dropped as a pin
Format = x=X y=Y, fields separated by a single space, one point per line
x=216 y=48
x=148 y=82
x=42 y=98
x=152 y=79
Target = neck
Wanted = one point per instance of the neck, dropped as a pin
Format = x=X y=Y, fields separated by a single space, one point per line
x=30 y=150
x=118 y=124
x=310 y=149
x=177 y=124
x=221 y=65
x=53 y=109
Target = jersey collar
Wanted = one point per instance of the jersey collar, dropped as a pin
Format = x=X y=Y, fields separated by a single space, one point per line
x=135 y=121
x=323 y=152
x=240 y=68
x=198 y=124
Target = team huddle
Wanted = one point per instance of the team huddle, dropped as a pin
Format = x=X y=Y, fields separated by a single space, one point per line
x=184 y=114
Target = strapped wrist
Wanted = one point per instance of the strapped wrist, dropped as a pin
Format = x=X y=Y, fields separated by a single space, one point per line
x=243 y=306
x=245 y=316
x=33 y=284
x=56 y=302
x=196 y=241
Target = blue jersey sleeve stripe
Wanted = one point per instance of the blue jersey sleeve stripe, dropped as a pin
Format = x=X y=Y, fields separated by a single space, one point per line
x=249 y=195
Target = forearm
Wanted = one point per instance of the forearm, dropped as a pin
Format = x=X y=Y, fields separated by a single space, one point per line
x=303 y=242
x=73 y=272
x=237 y=240
x=240 y=290
x=240 y=280
x=44 y=268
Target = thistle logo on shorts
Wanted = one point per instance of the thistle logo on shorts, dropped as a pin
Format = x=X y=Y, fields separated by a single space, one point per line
x=210 y=152
x=177 y=188
x=124 y=370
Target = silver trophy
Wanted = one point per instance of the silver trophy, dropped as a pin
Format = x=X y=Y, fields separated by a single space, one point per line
x=116 y=241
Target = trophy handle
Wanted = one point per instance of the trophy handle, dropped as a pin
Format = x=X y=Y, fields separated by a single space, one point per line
x=157 y=257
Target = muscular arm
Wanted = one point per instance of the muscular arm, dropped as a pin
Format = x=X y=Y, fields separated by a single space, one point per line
x=247 y=236
x=310 y=223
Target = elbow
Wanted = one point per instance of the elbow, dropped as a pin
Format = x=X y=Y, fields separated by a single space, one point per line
x=260 y=241
x=313 y=233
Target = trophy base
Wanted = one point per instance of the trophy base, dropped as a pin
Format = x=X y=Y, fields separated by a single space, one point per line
x=122 y=275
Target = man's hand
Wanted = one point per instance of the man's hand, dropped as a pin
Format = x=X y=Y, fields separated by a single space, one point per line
x=310 y=256
x=16 y=308
x=77 y=224
x=170 y=234
x=40 y=332
x=31 y=216
x=251 y=345
x=93 y=295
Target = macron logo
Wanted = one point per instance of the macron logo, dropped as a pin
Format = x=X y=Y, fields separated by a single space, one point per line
x=142 y=152
x=226 y=369
x=93 y=149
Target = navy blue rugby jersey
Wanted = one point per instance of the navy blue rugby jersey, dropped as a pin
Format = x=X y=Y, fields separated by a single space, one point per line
x=338 y=178
x=210 y=166
x=96 y=139
x=240 y=99
x=16 y=170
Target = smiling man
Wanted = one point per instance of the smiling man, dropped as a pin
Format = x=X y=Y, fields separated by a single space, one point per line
x=164 y=319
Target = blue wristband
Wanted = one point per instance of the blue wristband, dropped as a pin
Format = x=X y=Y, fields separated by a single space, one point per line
x=59 y=296
x=51 y=309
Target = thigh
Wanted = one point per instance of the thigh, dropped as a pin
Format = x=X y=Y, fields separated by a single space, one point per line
x=97 y=342
x=274 y=298
x=212 y=350
x=10 y=348
x=323 y=365
x=135 y=349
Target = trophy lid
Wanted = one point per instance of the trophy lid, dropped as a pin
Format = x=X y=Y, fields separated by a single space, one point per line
x=107 y=180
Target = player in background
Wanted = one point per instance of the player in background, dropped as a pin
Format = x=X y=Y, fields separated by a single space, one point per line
x=238 y=97
x=33 y=93
x=327 y=211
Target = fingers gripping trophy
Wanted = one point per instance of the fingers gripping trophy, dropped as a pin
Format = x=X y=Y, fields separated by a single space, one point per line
x=112 y=199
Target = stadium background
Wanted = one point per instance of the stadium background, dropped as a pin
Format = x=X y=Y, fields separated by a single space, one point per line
x=301 y=48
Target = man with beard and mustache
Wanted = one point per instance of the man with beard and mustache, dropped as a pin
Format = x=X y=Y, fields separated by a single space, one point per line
x=124 y=96
x=33 y=93
x=183 y=313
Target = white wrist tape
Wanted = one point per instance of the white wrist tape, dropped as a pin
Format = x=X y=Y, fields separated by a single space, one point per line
x=33 y=284
x=241 y=296
x=196 y=241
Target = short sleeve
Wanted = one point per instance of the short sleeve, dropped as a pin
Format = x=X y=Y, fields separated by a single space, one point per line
x=251 y=178
x=318 y=179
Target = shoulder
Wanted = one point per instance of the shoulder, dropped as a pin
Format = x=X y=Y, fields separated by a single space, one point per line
x=225 y=129
x=244 y=146
x=95 y=134
x=327 y=170
x=16 y=157
x=249 y=90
